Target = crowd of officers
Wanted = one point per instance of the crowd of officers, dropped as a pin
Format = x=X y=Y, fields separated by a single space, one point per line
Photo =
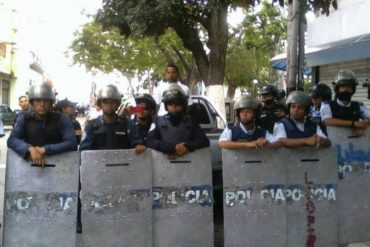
x=41 y=131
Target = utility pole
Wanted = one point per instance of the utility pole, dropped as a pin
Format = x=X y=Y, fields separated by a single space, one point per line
x=296 y=47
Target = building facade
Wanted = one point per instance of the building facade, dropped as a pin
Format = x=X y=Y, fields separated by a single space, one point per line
x=341 y=41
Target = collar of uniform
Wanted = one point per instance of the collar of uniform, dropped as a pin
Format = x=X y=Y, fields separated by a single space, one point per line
x=248 y=132
x=342 y=104
x=298 y=122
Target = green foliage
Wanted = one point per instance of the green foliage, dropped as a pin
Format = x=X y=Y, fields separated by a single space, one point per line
x=260 y=37
x=108 y=51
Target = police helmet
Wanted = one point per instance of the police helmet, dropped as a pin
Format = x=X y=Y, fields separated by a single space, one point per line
x=298 y=97
x=322 y=90
x=41 y=91
x=174 y=93
x=345 y=77
x=147 y=99
x=246 y=101
x=280 y=93
x=269 y=89
x=108 y=92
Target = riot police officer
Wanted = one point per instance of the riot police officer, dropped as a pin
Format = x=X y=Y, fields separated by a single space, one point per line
x=320 y=94
x=342 y=111
x=110 y=131
x=297 y=129
x=176 y=133
x=144 y=115
x=245 y=134
x=41 y=132
x=270 y=112
x=68 y=108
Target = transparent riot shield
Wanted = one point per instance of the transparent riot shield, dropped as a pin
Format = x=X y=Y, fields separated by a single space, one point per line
x=254 y=200
x=312 y=184
x=41 y=203
x=116 y=198
x=283 y=197
x=182 y=200
x=353 y=162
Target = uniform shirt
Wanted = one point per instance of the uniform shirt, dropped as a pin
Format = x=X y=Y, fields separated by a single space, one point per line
x=88 y=142
x=280 y=133
x=196 y=140
x=17 y=143
x=326 y=112
x=227 y=134
x=2 y=132
x=158 y=93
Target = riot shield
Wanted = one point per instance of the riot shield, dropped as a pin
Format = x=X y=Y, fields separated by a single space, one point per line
x=182 y=200
x=254 y=207
x=312 y=182
x=41 y=203
x=353 y=162
x=283 y=197
x=116 y=198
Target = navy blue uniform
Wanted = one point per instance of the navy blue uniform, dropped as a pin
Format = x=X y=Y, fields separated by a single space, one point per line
x=267 y=117
x=119 y=135
x=292 y=130
x=55 y=133
x=143 y=130
x=165 y=136
x=240 y=136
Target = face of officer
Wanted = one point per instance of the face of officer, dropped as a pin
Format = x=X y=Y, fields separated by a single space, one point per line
x=109 y=106
x=345 y=93
x=297 y=112
x=42 y=106
x=69 y=110
x=174 y=107
x=267 y=99
x=146 y=113
x=246 y=115
x=316 y=101
x=172 y=75
x=23 y=103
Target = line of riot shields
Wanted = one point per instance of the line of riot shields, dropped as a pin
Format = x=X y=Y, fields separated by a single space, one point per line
x=271 y=197
x=299 y=197
x=127 y=200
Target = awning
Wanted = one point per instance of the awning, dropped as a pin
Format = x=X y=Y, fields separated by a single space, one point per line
x=345 y=50
x=279 y=63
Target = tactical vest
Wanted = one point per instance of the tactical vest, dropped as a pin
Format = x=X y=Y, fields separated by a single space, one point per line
x=267 y=118
x=111 y=136
x=175 y=134
x=292 y=130
x=237 y=134
x=346 y=113
x=40 y=132
x=143 y=130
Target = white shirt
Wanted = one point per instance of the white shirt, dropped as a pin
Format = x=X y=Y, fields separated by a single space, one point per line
x=326 y=112
x=227 y=134
x=280 y=133
x=158 y=93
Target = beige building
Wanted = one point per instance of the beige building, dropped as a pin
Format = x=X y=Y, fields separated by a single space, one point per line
x=19 y=66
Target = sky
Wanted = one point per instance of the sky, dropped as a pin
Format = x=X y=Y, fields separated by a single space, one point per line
x=46 y=27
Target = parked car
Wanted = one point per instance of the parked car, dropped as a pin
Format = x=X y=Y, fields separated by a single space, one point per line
x=7 y=115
